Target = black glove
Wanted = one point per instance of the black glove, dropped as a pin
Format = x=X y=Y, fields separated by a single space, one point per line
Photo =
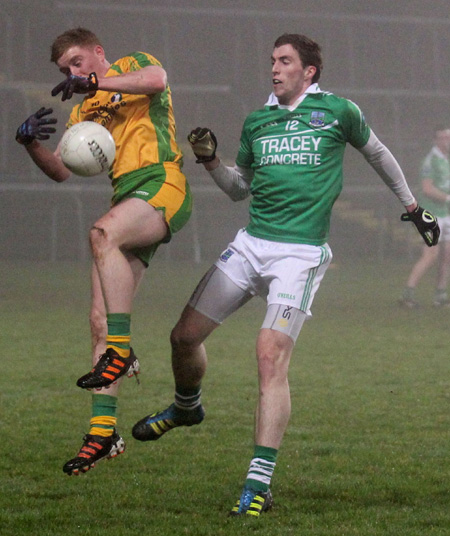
x=76 y=84
x=34 y=127
x=204 y=144
x=426 y=224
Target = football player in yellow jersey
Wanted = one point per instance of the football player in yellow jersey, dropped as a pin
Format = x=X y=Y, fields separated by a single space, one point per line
x=151 y=200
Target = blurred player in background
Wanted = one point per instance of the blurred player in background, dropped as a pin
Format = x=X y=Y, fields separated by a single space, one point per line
x=290 y=161
x=151 y=200
x=435 y=177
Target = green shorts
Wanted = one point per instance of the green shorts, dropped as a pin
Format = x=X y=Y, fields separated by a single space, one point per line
x=163 y=186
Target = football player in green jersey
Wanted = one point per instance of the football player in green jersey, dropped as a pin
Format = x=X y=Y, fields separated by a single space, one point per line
x=435 y=196
x=290 y=161
x=151 y=201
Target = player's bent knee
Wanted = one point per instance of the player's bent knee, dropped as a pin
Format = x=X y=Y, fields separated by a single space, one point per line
x=97 y=232
x=182 y=339
x=97 y=237
x=101 y=241
x=191 y=330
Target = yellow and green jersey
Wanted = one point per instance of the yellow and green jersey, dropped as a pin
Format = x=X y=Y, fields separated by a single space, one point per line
x=143 y=126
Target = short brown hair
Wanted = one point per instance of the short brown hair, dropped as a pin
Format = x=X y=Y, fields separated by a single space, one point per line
x=72 y=38
x=308 y=50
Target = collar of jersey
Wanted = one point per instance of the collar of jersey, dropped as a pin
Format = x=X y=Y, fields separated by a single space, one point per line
x=273 y=101
x=438 y=152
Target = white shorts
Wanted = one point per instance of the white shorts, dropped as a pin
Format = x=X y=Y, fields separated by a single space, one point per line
x=283 y=273
x=444 y=225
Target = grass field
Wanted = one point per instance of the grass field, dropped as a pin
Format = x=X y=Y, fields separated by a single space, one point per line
x=366 y=452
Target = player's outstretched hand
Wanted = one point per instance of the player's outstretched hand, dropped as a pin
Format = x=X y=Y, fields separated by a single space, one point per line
x=426 y=224
x=35 y=127
x=203 y=143
x=76 y=84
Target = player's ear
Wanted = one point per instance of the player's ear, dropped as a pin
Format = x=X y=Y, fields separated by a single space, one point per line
x=99 y=52
x=310 y=71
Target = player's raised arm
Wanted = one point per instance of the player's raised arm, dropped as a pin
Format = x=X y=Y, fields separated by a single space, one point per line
x=29 y=134
x=146 y=81
x=235 y=182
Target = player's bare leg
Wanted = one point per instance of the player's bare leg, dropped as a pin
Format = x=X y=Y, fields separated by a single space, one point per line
x=97 y=319
x=427 y=259
x=273 y=351
x=189 y=363
x=441 y=296
x=103 y=440
x=189 y=359
x=131 y=224
x=110 y=246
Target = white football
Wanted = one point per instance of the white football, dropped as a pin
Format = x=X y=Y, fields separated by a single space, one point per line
x=87 y=149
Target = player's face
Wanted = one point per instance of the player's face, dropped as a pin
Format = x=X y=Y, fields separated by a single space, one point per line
x=289 y=78
x=443 y=140
x=82 y=61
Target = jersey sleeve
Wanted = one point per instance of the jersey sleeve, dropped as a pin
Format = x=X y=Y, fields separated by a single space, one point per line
x=245 y=156
x=134 y=62
x=357 y=131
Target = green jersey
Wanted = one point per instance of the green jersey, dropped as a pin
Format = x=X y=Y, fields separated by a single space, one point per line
x=436 y=167
x=297 y=158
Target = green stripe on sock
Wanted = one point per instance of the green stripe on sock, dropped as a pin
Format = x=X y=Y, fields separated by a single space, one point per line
x=119 y=325
x=104 y=405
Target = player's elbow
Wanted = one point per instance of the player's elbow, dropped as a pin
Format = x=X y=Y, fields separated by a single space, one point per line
x=238 y=196
x=160 y=87
x=62 y=174
x=156 y=79
x=239 y=191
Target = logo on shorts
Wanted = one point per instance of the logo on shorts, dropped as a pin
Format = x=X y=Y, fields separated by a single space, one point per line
x=141 y=192
x=226 y=255
x=286 y=296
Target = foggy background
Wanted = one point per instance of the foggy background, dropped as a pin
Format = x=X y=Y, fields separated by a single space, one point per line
x=391 y=58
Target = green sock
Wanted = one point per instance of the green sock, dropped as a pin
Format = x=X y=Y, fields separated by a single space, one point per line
x=104 y=409
x=261 y=468
x=119 y=333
